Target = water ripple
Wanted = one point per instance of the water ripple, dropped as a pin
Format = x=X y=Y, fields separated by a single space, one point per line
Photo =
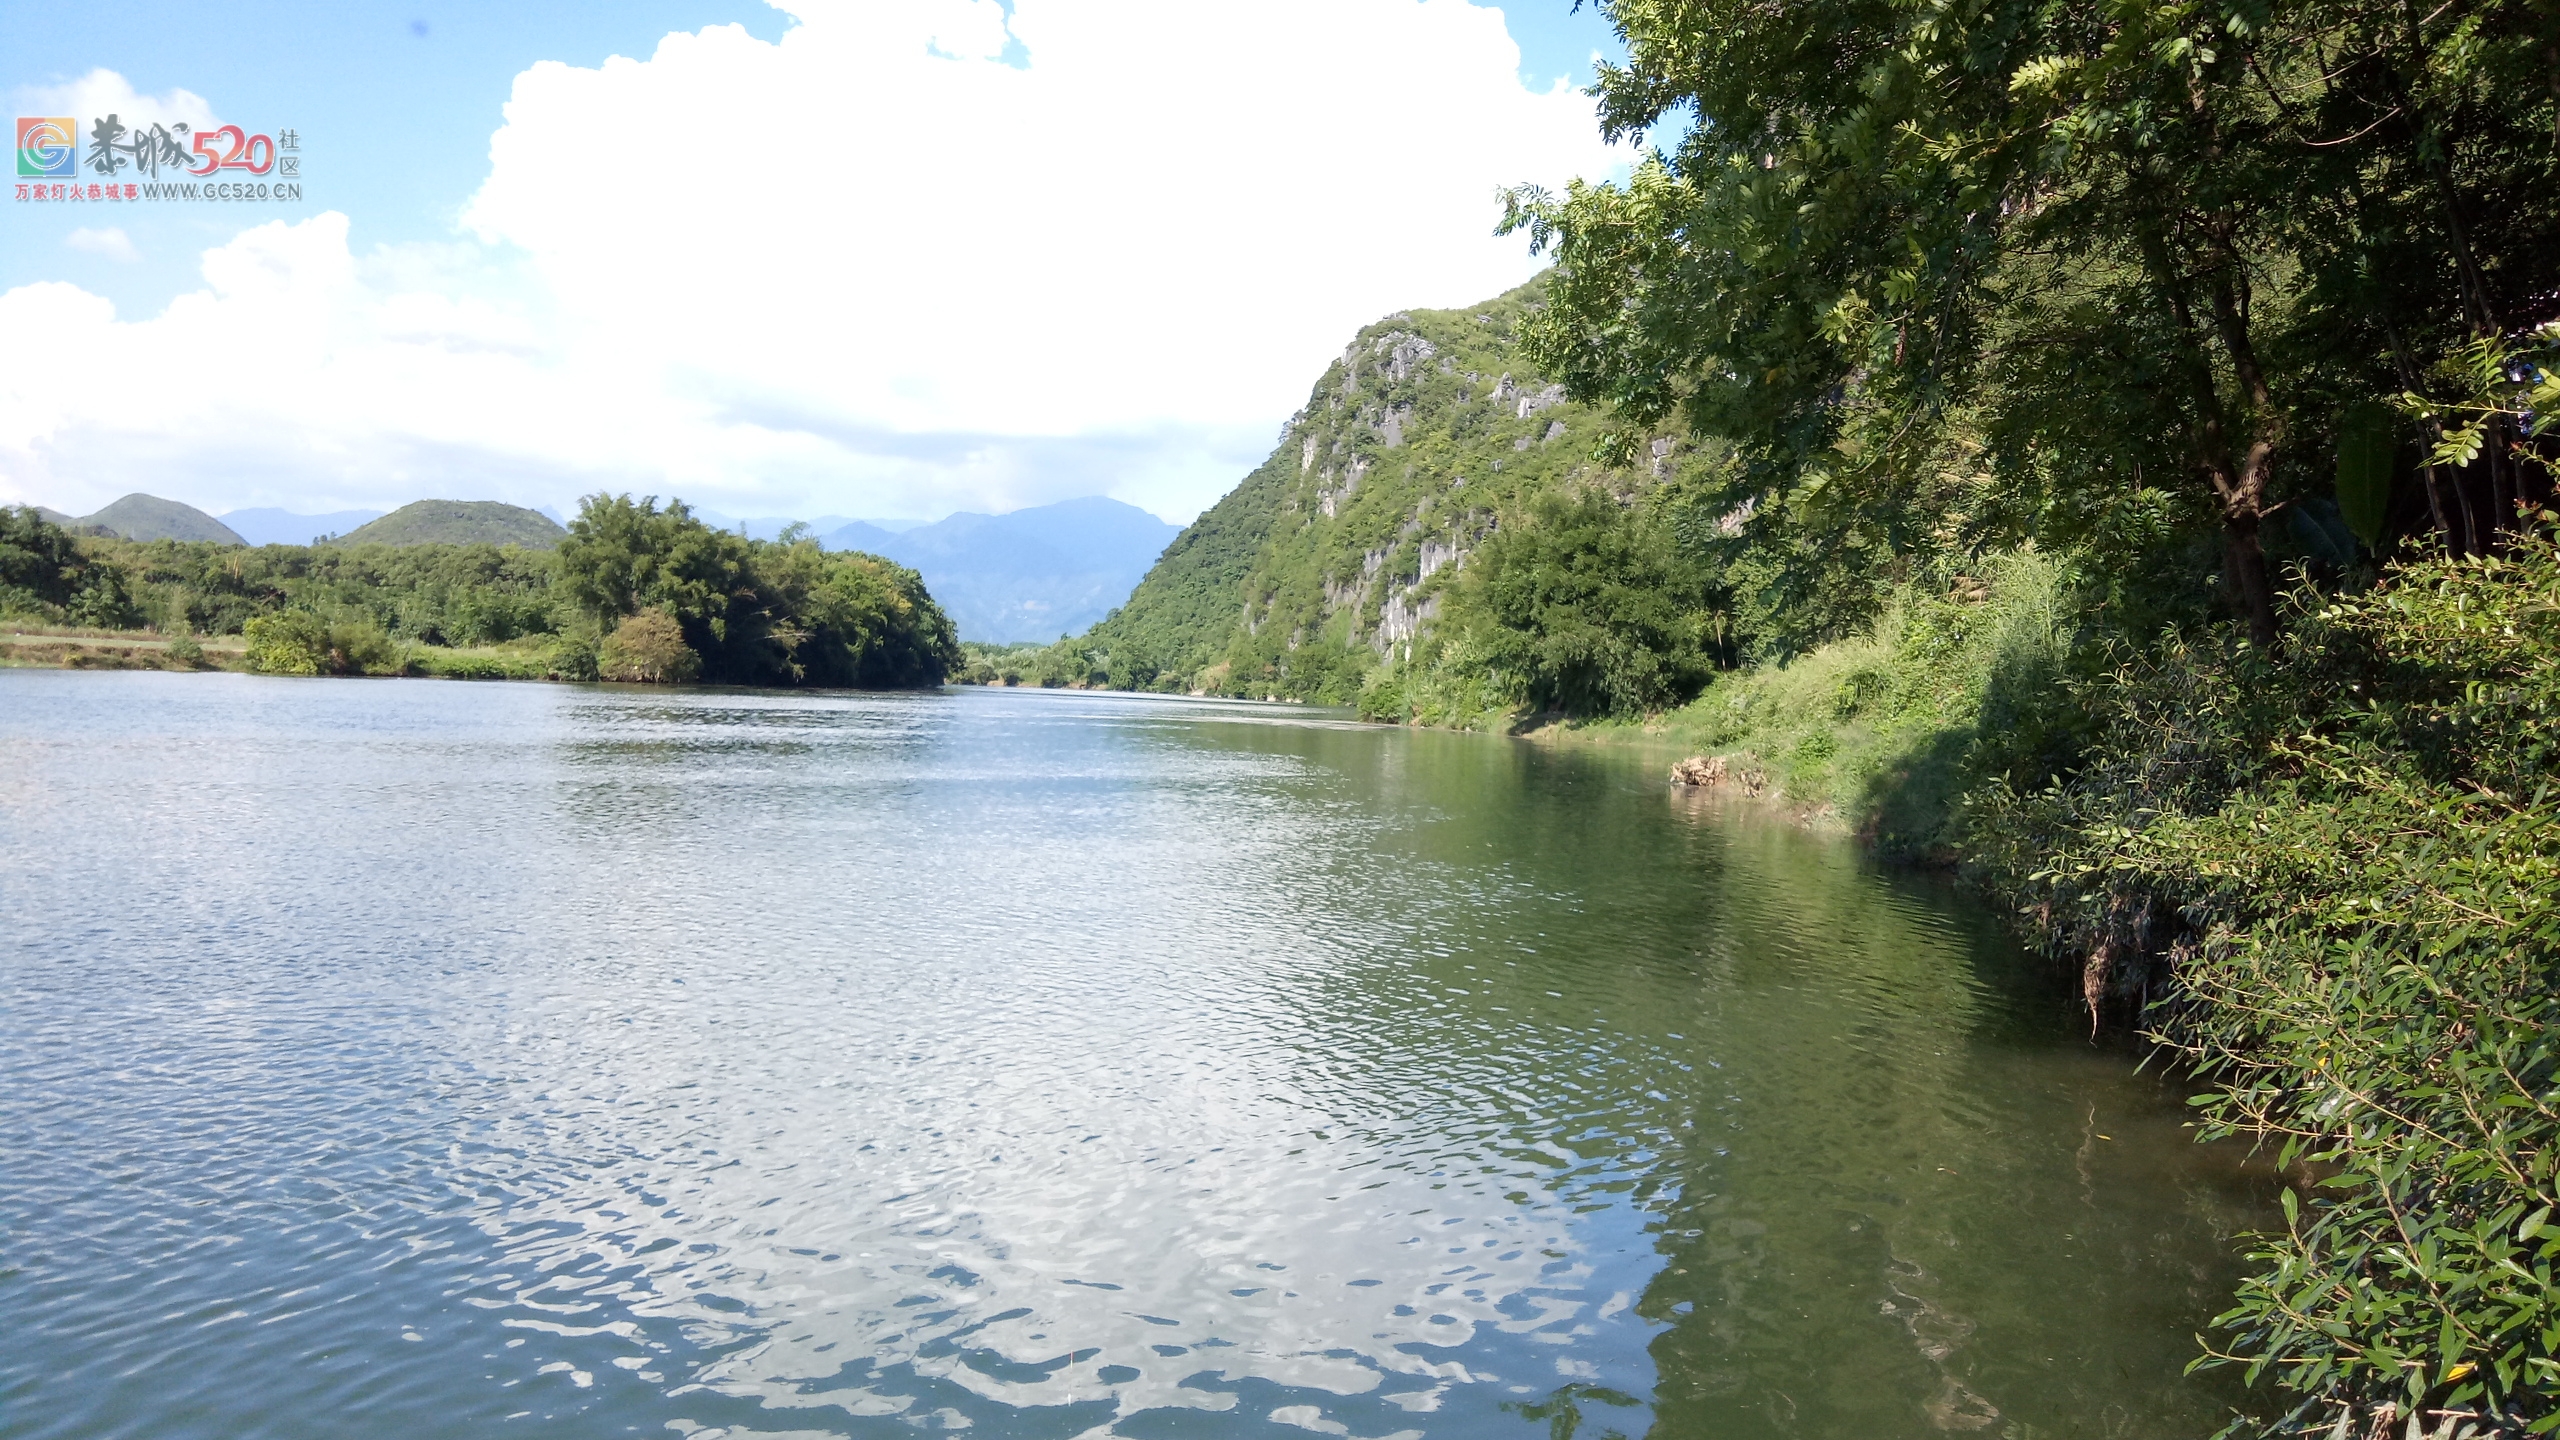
x=416 y=1058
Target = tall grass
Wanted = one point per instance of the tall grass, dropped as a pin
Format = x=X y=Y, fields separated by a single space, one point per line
x=1960 y=679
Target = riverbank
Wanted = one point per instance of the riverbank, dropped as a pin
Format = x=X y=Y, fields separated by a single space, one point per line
x=2327 y=882
x=84 y=648
x=1883 y=735
x=72 y=647
x=715 y=606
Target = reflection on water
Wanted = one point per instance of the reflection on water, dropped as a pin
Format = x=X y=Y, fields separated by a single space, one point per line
x=411 y=1058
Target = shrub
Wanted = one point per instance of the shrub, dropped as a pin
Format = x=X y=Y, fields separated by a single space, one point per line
x=2342 y=871
x=648 y=648
x=570 y=657
x=482 y=665
x=359 y=647
x=297 y=642
x=289 y=642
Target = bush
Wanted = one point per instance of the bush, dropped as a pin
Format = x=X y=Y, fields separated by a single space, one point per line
x=185 y=651
x=484 y=665
x=2342 y=871
x=297 y=642
x=570 y=657
x=289 y=642
x=648 y=648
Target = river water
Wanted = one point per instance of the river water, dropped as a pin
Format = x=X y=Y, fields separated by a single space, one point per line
x=418 y=1058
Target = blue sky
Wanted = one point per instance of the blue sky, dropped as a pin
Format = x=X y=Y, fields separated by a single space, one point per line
x=397 y=105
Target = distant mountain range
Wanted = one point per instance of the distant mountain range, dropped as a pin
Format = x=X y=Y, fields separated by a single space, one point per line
x=1031 y=575
x=1028 y=576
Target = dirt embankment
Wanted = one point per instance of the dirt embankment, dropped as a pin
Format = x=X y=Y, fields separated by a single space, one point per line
x=71 y=648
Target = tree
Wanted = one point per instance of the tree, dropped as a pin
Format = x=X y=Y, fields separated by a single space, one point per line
x=2071 y=247
x=1581 y=606
x=852 y=619
x=39 y=566
x=622 y=557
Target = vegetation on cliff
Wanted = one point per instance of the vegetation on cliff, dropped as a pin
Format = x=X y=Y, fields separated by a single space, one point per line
x=1424 y=438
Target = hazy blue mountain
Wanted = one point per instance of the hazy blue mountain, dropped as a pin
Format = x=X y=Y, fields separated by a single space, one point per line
x=284 y=527
x=767 y=527
x=1031 y=575
x=859 y=535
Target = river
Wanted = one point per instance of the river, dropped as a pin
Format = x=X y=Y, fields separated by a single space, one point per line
x=424 y=1059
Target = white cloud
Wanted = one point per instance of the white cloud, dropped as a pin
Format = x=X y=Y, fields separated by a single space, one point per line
x=111 y=242
x=104 y=92
x=870 y=268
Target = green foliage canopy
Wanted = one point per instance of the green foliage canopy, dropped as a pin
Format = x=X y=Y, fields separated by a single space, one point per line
x=2061 y=252
x=753 y=612
x=757 y=612
x=1588 y=608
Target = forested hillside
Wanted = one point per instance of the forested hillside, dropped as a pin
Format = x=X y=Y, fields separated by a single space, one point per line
x=1425 y=437
x=458 y=522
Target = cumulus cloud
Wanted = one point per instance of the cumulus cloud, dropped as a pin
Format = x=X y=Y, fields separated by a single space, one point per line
x=912 y=257
x=110 y=241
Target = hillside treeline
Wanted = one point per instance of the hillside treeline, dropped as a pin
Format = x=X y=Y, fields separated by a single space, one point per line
x=636 y=592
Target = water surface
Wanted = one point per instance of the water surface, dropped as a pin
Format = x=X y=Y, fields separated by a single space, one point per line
x=415 y=1058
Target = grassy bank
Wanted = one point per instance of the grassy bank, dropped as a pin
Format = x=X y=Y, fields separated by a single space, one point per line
x=34 y=645
x=1961 y=679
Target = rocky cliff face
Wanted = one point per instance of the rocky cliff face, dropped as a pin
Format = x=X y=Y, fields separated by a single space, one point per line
x=1422 y=438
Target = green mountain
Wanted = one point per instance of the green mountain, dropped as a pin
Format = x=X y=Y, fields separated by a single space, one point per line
x=459 y=522
x=1426 y=436
x=148 y=517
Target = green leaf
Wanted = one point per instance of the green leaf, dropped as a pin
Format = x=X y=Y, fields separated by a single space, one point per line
x=2460 y=446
